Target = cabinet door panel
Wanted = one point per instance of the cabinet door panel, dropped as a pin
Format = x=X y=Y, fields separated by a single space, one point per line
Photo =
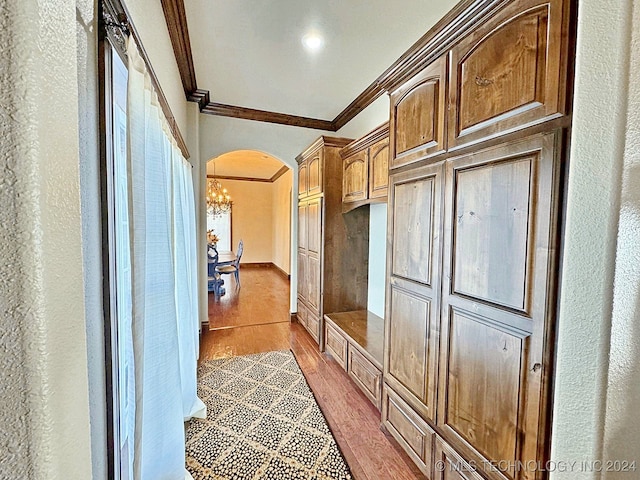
x=417 y=122
x=379 y=169
x=303 y=281
x=413 y=289
x=510 y=73
x=314 y=175
x=314 y=226
x=313 y=275
x=354 y=177
x=493 y=222
x=303 y=179
x=413 y=229
x=302 y=226
x=496 y=353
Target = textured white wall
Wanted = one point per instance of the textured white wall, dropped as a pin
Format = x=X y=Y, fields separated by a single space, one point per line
x=622 y=421
x=44 y=399
x=593 y=208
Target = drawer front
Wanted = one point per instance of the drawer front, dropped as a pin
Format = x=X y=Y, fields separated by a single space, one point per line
x=302 y=314
x=413 y=434
x=365 y=375
x=335 y=344
x=451 y=466
x=313 y=326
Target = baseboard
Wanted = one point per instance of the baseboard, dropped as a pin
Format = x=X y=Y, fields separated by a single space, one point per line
x=282 y=273
x=266 y=265
x=294 y=317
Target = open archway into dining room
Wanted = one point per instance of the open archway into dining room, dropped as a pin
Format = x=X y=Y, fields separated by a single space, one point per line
x=253 y=289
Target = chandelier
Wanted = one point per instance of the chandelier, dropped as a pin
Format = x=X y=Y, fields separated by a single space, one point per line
x=218 y=199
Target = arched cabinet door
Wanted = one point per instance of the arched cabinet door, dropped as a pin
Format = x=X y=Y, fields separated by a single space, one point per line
x=379 y=169
x=354 y=177
x=510 y=73
x=417 y=120
x=314 y=174
x=303 y=174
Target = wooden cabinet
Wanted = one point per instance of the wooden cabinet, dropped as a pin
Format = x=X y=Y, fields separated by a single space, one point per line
x=331 y=245
x=366 y=168
x=472 y=262
x=335 y=344
x=418 y=115
x=511 y=72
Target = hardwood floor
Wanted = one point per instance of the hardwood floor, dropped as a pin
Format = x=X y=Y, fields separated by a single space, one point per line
x=354 y=421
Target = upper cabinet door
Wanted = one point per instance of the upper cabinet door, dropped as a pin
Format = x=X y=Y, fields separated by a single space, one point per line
x=314 y=175
x=379 y=169
x=354 y=177
x=417 y=120
x=510 y=73
x=303 y=179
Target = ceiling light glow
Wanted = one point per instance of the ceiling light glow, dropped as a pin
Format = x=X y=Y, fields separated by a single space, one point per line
x=313 y=41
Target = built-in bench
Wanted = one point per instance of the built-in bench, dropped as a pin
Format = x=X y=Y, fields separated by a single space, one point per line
x=355 y=340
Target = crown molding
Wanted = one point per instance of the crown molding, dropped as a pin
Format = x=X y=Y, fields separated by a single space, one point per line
x=233 y=111
x=439 y=39
x=272 y=179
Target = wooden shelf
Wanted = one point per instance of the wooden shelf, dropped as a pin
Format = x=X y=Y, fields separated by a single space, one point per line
x=365 y=329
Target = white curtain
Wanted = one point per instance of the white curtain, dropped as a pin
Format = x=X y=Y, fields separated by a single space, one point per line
x=164 y=326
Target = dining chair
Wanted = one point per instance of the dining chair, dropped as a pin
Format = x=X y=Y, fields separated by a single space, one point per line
x=214 y=281
x=235 y=266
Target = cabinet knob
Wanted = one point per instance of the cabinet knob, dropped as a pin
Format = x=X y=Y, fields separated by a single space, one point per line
x=536 y=367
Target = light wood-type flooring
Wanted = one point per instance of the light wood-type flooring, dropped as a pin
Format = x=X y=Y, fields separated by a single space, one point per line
x=255 y=318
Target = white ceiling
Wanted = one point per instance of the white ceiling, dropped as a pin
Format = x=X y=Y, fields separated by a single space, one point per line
x=245 y=163
x=249 y=52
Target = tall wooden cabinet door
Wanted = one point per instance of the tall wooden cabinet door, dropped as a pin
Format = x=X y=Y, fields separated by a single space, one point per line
x=314 y=174
x=303 y=179
x=417 y=120
x=379 y=169
x=498 y=306
x=511 y=72
x=354 y=177
x=413 y=290
x=314 y=226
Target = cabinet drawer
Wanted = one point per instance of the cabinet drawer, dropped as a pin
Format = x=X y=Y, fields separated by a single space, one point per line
x=313 y=326
x=413 y=434
x=450 y=466
x=302 y=314
x=365 y=375
x=335 y=344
